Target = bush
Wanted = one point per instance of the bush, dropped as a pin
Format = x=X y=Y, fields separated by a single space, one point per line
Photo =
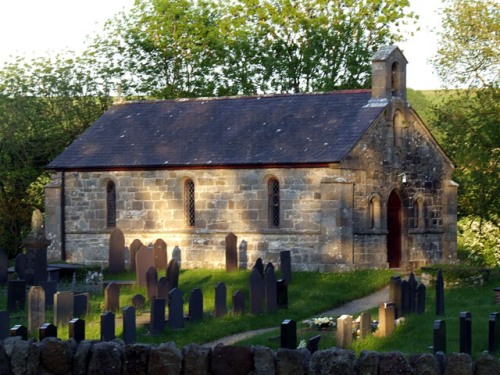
x=479 y=242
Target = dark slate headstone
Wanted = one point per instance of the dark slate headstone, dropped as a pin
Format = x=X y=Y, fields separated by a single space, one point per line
x=77 y=329
x=288 y=335
x=138 y=302
x=175 y=309
x=63 y=308
x=116 y=260
x=107 y=326
x=163 y=288
x=313 y=344
x=16 y=295
x=412 y=285
x=421 y=292
x=20 y=266
x=405 y=298
x=395 y=293
x=112 y=297
x=143 y=260
x=36 y=308
x=270 y=289
x=173 y=274
x=50 y=288
x=231 y=252
x=19 y=330
x=256 y=292
x=133 y=249
x=151 y=282
x=439 y=294
x=220 y=300
x=195 y=305
x=80 y=305
x=259 y=266
x=494 y=332
x=47 y=330
x=439 y=332
x=286 y=265
x=4 y=267
x=465 y=332
x=157 y=319
x=238 y=302
x=282 y=294
x=36 y=263
x=129 y=325
x=160 y=254
x=4 y=324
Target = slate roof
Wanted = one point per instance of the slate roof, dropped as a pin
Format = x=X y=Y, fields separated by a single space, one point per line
x=243 y=131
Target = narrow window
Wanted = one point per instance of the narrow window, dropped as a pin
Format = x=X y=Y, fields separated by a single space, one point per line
x=374 y=212
x=273 y=191
x=398 y=124
x=189 y=209
x=111 y=204
x=418 y=209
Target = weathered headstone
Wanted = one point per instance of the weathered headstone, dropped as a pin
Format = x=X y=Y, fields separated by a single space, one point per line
x=80 y=305
x=243 y=255
x=465 y=332
x=395 y=293
x=231 y=252
x=259 y=265
x=344 y=331
x=112 y=297
x=151 y=282
x=175 y=309
x=439 y=294
x=77 y=329
x=494 y=332
x=386 y=315
x=19 y=330
x=163 y=288
x=421 y=292
x=256 y=292
x=47 y=330
x=173 y=274
x=286 y=266
x=313 y=344
x=365 y=325
x=20 y=266
x=129 y=325
x=4 y=324
x=107 y=326
x=16 y=295
x=177 y=255
x=116 y=260
x=138 y=302
x=439 y=333
x=160 y=254
x=143 y=260
x=157 y=318
x=133 y=249
x=195 y=305
x=4 y=267
x=63 y=308
x=288 y=336
x=238 y=302
x=270 y=289
x=50 y=288
x=282 y=294
x=36 y=308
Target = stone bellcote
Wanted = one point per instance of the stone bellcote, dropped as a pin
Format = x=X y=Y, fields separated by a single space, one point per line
x=389 y=74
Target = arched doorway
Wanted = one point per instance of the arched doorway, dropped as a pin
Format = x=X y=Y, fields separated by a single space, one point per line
x=394 y=230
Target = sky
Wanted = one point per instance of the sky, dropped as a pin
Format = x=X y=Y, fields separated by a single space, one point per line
x=40 y=27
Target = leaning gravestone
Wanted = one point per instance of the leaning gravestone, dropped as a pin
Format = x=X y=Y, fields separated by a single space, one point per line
x=144 y=259
x=270 y=289
x=231 y=252
x=173 y=274
x=313 y=344
x=133 y=249
x=175 y=309
x=151 y=282
x=116 y=260
x=36 y=308
x=107 y=326
x=63 y=308
x=160 y=254
x=286 y=265
x=4 y=267
x=112 y=297
x=16 y=295
x=220 y=300
x=195 y=305
x=256 y=292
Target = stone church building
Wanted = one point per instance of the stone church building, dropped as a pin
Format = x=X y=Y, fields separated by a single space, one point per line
x=344 y=179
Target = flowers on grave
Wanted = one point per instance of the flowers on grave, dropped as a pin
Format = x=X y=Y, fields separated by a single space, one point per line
x=93 y=278
x=302 y=344
x=324 y=322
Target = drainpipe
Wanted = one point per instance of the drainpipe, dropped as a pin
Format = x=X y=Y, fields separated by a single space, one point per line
x=63 y=215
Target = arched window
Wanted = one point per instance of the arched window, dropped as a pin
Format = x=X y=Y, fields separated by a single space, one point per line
x=375 y=212
x=111 y=204
x=189 y=207
x=418 y=212
x=273 y=203
x=398 y=123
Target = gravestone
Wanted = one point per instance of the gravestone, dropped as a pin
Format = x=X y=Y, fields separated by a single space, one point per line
x=243 y=255
x=77 y=329
x=63 y=308
x=50 y=288
x=80 y=305
x=138 y=302
x=195 y=305
x=288 y=336
x=286 y=265
x=412 y=288
x=133 y=249
x=439 y=294
x=259 y=266
x=439 y=334
x=36 y=308
x=220 y=300
x=395 y=293
x=151 y=282
x=465 y=332
x=238 y=302
x=4 y=267
x=282 y=294
x=344 y=331
x=4 y=324
x=112 y=297
x=107 y=326
x=157 y=318
x=231 y=252
x=116 y=258
x=163 y=288
x=494 y=332
x=16 y=295
x=386 y=319
x=313 y=344
x=19 y=330
x=143 y=260
x=160 y=254
x=257 y=292
x=20 y=266
x=270 y=289
x=47 y=330
x=173 y=274
x=365 y=325
x=175 y=309
x=36 y=250
x=177 y=255
x=405 y=298
x=421 y=292
x=129 y=325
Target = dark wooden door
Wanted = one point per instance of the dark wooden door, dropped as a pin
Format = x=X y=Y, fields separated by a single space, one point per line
x=394 y=231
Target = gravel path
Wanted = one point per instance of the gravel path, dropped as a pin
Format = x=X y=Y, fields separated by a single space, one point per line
x=350 y=308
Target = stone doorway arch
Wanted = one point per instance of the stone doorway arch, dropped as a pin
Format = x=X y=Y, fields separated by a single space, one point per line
x=394 y=229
